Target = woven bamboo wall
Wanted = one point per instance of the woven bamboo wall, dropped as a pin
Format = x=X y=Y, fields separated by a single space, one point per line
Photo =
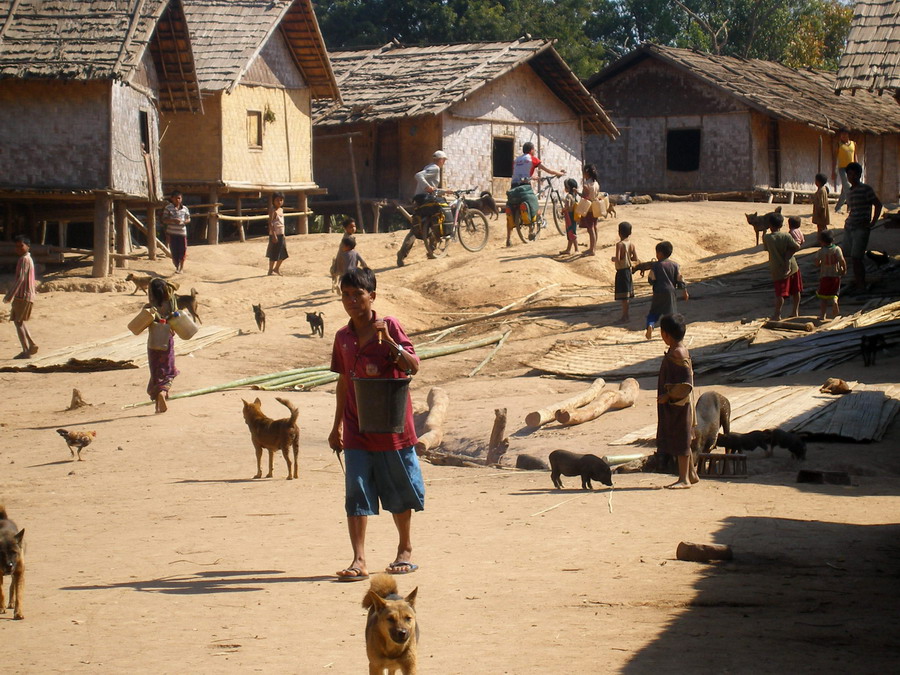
x=129 y=171
x=54 y=134
x=191 y=148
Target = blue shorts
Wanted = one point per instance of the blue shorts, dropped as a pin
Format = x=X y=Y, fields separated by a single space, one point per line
x=393 y=476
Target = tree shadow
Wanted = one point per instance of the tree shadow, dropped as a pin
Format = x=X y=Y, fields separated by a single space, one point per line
x=200 y=583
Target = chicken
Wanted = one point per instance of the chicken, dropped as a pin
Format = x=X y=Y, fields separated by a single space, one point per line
x=77 y=439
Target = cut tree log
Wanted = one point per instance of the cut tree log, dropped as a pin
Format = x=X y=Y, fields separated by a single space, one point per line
x=540 y=417
x=703 y=552
x=438 y=400
x=624 y=397
x=790 y=325
x=77 y=401
x=499 y=443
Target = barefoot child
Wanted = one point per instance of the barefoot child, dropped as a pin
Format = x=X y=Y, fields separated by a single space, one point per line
x=794 y=230
x=349 y=258
x=673 y=401
x=379 y=465
x=783 y=267
x=665 y=276
x=276 y=252
x=832 y=266
x=624 y=257
x=821 y=215
x=21 y=294
x=570 y=200
x=585 y=211
x=349 y=226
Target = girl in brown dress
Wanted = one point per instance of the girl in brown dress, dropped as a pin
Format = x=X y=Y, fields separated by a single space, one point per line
x=673 y=401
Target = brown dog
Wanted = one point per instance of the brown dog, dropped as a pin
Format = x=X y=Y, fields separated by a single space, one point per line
x=392 y=632
x=141 y=282
x=485 y=203
x=761 y=224
x=189 y=303
x=12 y=562
x=273 y=435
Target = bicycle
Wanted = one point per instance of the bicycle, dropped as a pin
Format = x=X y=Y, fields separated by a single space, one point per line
x=549 y=192
x=469 y=226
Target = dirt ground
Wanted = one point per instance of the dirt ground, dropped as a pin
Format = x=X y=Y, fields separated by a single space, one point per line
x=158 y=553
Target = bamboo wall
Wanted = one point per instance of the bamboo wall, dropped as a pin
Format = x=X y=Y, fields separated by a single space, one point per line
x=129 y=170
x=191 y=144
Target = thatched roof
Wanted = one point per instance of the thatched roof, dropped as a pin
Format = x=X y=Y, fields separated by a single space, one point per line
x=393 y=81
x=871 y=60
x=99 y=40
x=802 y=95
x=228 y=34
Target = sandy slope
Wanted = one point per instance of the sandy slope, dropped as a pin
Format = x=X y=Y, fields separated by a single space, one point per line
x=159 y=554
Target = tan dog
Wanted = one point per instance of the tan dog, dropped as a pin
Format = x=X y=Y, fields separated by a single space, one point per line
x=835 y=386
x=392 y=633
x=273 y=435
x=12 y=562
x=141 y=282
x=189 y=303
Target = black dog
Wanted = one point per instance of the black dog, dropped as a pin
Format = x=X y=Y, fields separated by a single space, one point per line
x=589 y=467
x=260 y=316
x=485 y=203
x=869 y=346
x=734 y=443
x=316 y=323
x=794 y=443
x=189 y=303
x=713 y=411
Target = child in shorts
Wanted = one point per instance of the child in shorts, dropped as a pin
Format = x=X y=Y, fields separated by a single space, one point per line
x=276 y=251
x=569 y=201
x=665 y=276
x=832 y=266
x=624 y=257
x=379 y=466
x=783 y=267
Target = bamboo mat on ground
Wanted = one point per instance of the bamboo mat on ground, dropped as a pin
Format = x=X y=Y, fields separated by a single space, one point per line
x=617 y=356
x=116 y=353
x=862 y=415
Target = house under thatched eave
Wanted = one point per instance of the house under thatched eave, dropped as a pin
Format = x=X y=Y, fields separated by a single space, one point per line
x=871 y=60
x=697 y=122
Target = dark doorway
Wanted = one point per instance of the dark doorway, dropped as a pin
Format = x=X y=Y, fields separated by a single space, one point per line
x=502 y=157
x=683 y=150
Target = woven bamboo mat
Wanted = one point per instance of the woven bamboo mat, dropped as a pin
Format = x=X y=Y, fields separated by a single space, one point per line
x=617 y=356
x=116 y=353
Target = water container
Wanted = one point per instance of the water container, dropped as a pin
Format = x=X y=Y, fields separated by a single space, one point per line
x=140 y=323
x=182 y=325
x=381 y=404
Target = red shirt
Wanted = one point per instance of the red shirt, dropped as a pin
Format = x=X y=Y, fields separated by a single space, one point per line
x=372 y=360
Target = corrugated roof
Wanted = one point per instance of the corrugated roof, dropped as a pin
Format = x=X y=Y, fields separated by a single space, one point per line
x=802 y=95
x=871 y=60
x=228 y=34
x=395 y=81
x=99 y=40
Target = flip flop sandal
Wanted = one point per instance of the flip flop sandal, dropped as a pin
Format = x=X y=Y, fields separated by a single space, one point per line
x=357 y=575
x=398 y=568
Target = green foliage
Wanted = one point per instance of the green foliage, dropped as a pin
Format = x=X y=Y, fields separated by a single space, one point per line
x=591 y=33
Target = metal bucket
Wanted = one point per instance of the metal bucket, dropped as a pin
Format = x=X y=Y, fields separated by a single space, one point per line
x=141 y=322
x=381 y=404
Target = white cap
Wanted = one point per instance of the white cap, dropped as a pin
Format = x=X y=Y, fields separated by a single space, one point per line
x=440 y=154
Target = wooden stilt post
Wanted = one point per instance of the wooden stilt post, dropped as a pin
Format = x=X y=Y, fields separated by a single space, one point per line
x=43 y=239
x=151 y=231
x=212 y=226
x=121 y=233
x=239 y=210
x=63 y=229
x=102 y=220
x=359 y=214
x=302 y=221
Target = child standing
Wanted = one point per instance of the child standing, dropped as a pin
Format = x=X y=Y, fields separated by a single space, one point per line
x=21 y=294
x=673 y=401
x=276 y=251
x=176 y=218
x=832 y=266
x=821 y=215
x=161 y=357
x=569 y=202
x=378 y=466
x=783 y=267
x=349 y=226
x=625 y=255
x=584 y=211
x=349 y=259
x=665 y=276
x=794 y=230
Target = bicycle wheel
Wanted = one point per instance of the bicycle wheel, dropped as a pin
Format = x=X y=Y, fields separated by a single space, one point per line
x=559 y=217
x=473 y=231
x=528 y=231
x=435 y=244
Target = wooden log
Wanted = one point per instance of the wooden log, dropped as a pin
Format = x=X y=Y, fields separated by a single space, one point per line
x=790 y=325
x=540 y=417
x=147 y=231
x=499 y=443
x=102 y=220
x=438 y=400
x=150 y=232
x=624 y=397
x=122 y=234
x=703 y=552
x=443 y=459
x=212 y=220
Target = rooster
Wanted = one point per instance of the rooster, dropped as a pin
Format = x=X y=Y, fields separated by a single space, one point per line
x=77 y=439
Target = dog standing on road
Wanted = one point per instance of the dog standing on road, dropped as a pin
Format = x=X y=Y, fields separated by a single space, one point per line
x=316 y=323
x=761 y=224
x=260 y=317
x=141 y=282
x=485 y=203
x=12 y=563
x=273 y=435
x=392 y=632
x=189 y=304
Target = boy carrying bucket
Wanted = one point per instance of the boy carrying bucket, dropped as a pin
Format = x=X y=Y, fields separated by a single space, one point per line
x=379 y=465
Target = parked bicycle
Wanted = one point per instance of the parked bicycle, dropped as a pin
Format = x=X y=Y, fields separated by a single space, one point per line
x=553 y=201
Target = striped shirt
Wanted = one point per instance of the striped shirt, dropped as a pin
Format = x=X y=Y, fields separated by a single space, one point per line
x=23 y=288
x=176 y=219
x=859 y=203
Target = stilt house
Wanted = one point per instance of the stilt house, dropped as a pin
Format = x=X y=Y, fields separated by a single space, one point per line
x=260 y=64
x=698 y=123
x=81 y=84
x=871 y=60
x=478 y=102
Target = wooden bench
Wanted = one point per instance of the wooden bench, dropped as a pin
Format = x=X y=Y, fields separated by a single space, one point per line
x=718 y=464
x=790 y=193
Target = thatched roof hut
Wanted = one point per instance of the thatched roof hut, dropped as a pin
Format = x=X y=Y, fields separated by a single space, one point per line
x=871 y=60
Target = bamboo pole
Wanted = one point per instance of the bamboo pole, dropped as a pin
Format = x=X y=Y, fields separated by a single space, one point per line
x=540 y=417
x=491 y=355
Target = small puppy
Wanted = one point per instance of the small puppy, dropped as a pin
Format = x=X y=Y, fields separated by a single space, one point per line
x=485 y=203
x=712 y=411
x=611 y=209
x=141 y=282
x=794 y=443
x=735 y=443
x=835 y=386
x=189 y=304
x=316 y=323
x=273 y=435
x=762 y=223
x=589 y=467
x=869 y=346
x=260 y=316
x=392 y=632
x=12 y=563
